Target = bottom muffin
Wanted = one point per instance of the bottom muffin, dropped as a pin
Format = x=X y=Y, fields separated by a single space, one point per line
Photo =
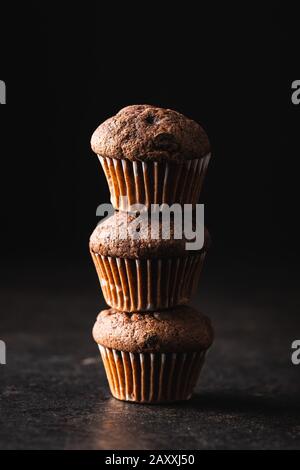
x=153 y=357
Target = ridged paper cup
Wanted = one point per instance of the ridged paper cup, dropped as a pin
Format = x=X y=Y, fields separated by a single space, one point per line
x=151 y=377
x=154 y=182
x=134 y=285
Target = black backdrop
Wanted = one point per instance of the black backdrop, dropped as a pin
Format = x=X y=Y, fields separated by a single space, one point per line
x=228 y=65
x=68 y=69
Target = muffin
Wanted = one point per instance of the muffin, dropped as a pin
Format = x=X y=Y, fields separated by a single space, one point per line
x=153 y=357
x=140 y=273
x=152 y=156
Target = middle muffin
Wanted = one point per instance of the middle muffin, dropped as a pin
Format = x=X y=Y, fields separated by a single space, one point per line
x=140 y=273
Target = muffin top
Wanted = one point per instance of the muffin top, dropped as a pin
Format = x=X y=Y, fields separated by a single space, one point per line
x=147 y=133
x=181 y=329
x=116 y=236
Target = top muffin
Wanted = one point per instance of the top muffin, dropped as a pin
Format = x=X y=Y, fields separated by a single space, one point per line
x=148 y=133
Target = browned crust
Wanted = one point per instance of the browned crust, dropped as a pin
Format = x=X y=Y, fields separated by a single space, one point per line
x=181 y=329
x=145 y=132
x=106 y=240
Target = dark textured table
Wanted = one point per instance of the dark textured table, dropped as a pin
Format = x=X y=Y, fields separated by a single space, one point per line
x=54 y=395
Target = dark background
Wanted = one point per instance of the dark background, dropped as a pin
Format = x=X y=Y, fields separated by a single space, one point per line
x=69 y=69
x=228 y=66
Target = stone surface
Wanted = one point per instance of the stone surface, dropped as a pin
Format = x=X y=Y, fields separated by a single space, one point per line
x=54 y=395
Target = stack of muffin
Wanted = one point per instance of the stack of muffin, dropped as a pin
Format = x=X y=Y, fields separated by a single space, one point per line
x=152 y=344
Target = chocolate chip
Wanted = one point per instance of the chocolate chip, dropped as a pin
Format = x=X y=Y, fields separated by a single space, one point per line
x=165 y=141
x=150 y=119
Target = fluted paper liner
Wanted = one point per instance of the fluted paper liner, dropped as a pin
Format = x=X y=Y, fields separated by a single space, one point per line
x=151 y=377
x=154 y=182
x=134 y=285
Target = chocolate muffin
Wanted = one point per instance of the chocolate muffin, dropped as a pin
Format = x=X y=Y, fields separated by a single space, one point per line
x=152 y=156
x=138 y=272
x=153 y=357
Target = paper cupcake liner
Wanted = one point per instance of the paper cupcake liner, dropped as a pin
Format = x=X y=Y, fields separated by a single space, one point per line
x=148 y=284
x=154 y=182
x=151 y=377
